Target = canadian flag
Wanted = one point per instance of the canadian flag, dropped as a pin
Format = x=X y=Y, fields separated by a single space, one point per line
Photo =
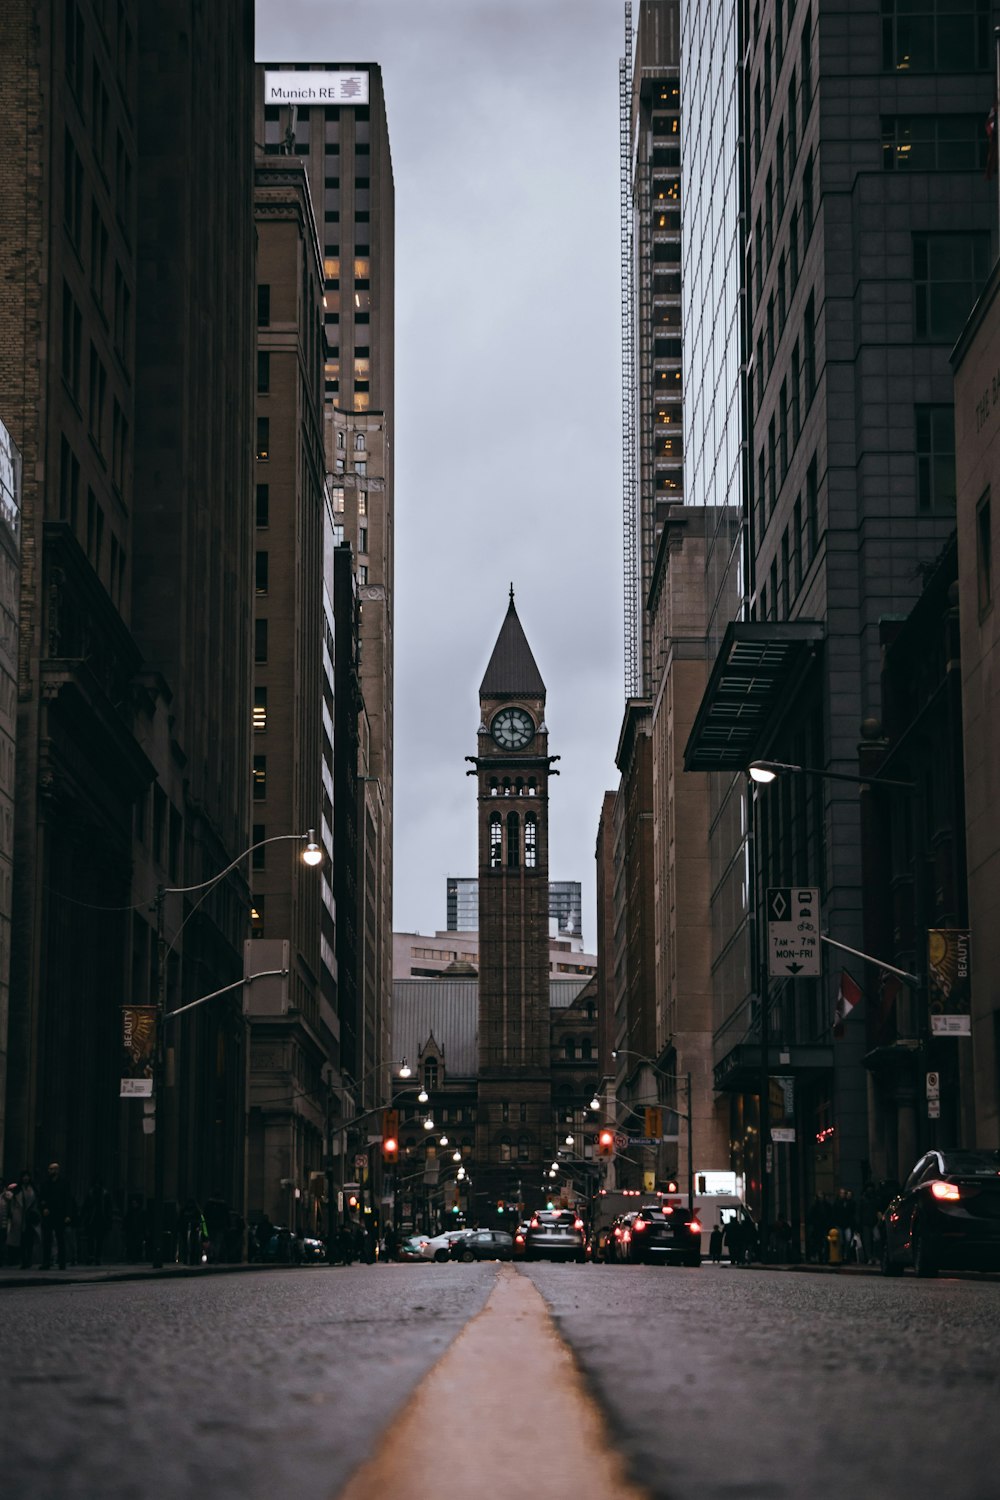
x=848 y=996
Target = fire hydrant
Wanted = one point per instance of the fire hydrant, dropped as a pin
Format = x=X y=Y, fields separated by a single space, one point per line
x=833 y=1242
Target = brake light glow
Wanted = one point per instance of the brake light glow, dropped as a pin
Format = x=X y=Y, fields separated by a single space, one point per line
x=519 y=1239
x=533 y=1224
x=946 y=1190
x=667 y=1209
x=626 y=1236
x=694 y=1227
x=639 y=1225
x=577 y=1223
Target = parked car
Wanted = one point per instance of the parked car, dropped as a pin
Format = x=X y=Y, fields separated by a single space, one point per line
x=484 y=1244
x=661 y=1232
x=556 y=1234
x=947 y=1216
x=438 y=1246
x=411 y=1248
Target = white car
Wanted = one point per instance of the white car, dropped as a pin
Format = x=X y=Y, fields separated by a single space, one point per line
x=438 y=1247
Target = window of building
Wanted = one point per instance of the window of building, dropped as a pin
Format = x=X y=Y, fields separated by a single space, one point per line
x=430 y=1074
x=812 y=506
x=523 y=1148
x=72 y=191
x=263 y=504
x=496 y=841
x=793 y=139
x=770 y=332
x=933 y=143
x=805 y=64
x=363 y=574
x=530 y=841
x=506 y=1149
x=98 y=253
x=796 y=378
x=984 y=553
x=260 y=640
x=72 y=333
x=259 y=778
x=808 y=208
x=935 y=431
x=69 y=483
x=772 y=467
x=359 y=437
x=522 y=1112
x=586 y=1050
x=809 y=341
x=513 y=841
x=949 y=271
x=263 y=305
x=257 y=916
x=263 y=439
x=782 y=299
x=793 y=248
x=785 y=578
x=944 y=36
x=263 y=372
x=362 y=538
x=96 y=398
x=783 y=432
x=259 y=709
x=119 y=446
x=338 y=499
x=260 y=572
x=797 y=546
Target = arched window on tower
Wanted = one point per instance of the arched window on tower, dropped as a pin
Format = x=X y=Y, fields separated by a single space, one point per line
x=340 y=440
x=431 y=1074
x=513 y=841
x=359 y=442
x=530 y=841
x=569 y=1047
x=519 y=787
x=506 y=1149
x=532 y=787
x=494 y=786
x=496 y=841
x=586 y=1050
x=506 y=786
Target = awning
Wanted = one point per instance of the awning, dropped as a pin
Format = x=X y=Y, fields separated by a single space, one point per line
x=757 y=670
x=739 y=1071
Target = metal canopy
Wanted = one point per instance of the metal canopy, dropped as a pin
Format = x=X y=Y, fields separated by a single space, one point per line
x=758 y=666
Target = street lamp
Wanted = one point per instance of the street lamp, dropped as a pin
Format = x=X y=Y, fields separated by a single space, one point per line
x=762 y=773
x=311 y=855
x=672 y=1078
x=405 y=1070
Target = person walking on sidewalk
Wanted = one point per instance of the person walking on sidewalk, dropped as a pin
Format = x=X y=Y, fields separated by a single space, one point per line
x=22 y=1227
x=56 y=1207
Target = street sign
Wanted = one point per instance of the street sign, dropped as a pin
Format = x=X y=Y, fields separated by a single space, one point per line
x=621 y=1140
x=361 y=1161
x=933 y=1085
x=793 y=932
x=934 y=1109
x=640 y=1140
x=783 y=1134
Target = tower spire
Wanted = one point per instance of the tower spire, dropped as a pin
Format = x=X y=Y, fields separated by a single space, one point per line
x=512 y=592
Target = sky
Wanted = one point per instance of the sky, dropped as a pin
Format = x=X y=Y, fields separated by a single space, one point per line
x=503 y=124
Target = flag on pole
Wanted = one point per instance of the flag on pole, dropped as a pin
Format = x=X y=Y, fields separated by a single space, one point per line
x=848 y=996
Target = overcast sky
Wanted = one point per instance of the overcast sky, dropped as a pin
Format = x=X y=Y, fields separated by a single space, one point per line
x=503 y=122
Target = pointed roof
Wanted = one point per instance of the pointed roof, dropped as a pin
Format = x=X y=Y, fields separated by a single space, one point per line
x=512 y=672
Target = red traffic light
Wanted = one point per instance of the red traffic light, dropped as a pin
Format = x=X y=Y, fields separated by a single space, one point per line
x=390 y=1149
x=606 y=1143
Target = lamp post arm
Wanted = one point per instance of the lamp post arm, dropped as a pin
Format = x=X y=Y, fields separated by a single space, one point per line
x=869 y=958
x=204 y=885
x=226 y=988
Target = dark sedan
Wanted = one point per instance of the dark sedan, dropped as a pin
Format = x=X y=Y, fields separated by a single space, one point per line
x=660 y=1232
x=947 y=1216
x=557 y=1234
x=484 y=1244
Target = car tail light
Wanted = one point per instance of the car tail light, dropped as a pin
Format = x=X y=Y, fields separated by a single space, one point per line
x=626 y=1236
x=533 y=1224
x=519 y=1239
x=640 y=1224
x=577 y=1223
x=618 y=1234
x=667 y=1208
x=694 y=1227
x=948 y=1191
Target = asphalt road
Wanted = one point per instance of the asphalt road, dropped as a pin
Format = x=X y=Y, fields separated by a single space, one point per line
x=720 y=1383
x=732 y=1384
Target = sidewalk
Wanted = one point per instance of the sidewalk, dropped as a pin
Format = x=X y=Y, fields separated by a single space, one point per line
x=11 y=1276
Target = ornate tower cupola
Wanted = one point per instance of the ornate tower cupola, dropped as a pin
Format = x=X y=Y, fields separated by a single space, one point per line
x=514 y=1133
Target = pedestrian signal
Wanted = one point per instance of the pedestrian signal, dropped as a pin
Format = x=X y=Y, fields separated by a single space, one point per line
x=606 y=1143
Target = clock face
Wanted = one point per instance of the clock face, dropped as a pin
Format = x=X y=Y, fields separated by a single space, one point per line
x=512 y=728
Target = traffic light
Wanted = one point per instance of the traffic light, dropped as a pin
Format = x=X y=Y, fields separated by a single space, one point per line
x=606 y=1143
x=390 y=1149
x=654 y=1123
x=352 y=1202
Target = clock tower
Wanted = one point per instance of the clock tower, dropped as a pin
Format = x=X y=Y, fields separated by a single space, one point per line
x=514 y=1132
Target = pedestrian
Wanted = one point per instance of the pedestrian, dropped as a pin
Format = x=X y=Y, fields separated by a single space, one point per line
x=715 y=1244
x=55 y=1204
x=216 y=1223
x=781 y=1240
x=735 y=1241
x=391 y=1242
x=95 y=1221
x=845 y=1219
x=24 y=1219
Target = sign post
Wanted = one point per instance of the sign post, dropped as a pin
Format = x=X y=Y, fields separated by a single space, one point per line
x=793 y=945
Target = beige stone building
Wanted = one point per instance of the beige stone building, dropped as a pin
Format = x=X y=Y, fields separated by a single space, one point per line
x=977 y=451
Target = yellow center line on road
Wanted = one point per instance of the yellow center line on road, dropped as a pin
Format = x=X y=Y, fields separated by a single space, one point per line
x=506 y=1392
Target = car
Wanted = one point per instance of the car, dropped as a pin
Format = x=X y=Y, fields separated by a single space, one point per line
x=484 y=1244
x=947 y=1216
x=438 y=1246
x=411 y=1248
x=557 y=1234
x=662 y=1232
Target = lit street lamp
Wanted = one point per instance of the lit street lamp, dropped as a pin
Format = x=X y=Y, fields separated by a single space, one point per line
x=311 y=855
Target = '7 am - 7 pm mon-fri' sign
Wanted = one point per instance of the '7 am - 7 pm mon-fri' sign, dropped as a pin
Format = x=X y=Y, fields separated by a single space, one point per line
x=793 y=945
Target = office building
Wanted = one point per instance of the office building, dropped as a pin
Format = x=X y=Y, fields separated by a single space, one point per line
x=10 y=592
x=565 y=907
x=331 y=117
